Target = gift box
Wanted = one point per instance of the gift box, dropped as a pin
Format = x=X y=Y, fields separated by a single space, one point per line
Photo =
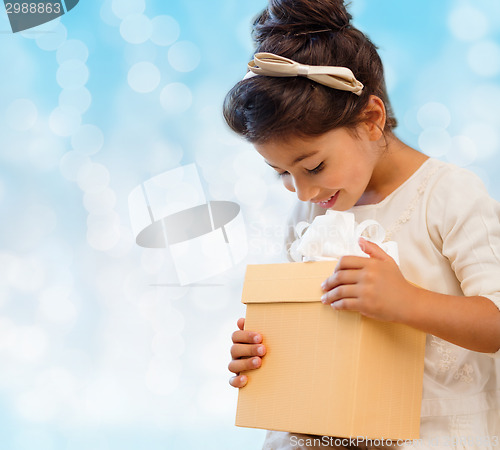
x=326 y=372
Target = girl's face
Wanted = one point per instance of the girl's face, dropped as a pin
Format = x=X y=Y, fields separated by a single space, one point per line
x=333 y=170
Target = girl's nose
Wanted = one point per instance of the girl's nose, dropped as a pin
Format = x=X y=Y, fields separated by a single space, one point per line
x=304 y=189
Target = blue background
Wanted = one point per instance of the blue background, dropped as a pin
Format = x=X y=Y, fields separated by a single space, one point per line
x=95 y=351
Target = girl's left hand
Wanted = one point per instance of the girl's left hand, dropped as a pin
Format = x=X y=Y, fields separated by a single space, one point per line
x=373 y=286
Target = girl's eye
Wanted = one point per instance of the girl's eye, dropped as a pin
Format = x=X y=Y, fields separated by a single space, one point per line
x=314 y=171
x=317 y=169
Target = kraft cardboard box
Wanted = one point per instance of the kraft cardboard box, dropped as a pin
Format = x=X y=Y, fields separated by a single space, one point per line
x=326 y=372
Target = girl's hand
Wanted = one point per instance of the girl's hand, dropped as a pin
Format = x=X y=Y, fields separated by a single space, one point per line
x=373 y=286
x=246 y=352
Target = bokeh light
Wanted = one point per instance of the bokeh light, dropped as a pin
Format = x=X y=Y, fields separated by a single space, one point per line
x=107 y=15
x=464 y=151
x=79 y=99
x=54 y=39
x=100 y=202
x=71 y=163
x=72 y=49
x=468 y=23
x=434 y=114
x=93 y=177
x=88 y=139
x=144 y=77
x=72 y=74
x=484 y=58
x=184 y=56
x=125 y=8
x=64 y=120
x=486 y=138
x=166 y=30
x=435 y=141
x=175 y=98
x=136 y=28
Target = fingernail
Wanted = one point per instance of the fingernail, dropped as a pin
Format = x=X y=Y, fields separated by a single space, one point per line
x=255 y=362
x=323 y=285
x=260 y=350
x=243 y=379
x=323 y=298
x=256 y=338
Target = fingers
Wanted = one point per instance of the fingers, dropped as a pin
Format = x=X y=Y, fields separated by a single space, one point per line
x=373 y=250
x=341 y=288
x=244 y=359
x=347 y=271
x=347 y=293
x=348 y=304
x=238 y=381
x=246 y=353
x=246 y=337
x=351 y=262
x=247 y=350
x=340 y=277
x=240 y=365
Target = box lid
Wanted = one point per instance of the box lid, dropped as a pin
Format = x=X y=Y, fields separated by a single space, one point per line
x=303 y=282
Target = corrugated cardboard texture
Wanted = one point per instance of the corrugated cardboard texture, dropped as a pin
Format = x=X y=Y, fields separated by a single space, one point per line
x=326 y=372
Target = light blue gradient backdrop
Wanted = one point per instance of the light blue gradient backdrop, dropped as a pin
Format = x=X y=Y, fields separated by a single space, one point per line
x=95 y=351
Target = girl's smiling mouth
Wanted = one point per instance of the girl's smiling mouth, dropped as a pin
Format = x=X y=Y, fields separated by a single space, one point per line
x=330 y=202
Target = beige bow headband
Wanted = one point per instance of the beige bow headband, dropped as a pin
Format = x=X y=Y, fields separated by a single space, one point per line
x=272 y=65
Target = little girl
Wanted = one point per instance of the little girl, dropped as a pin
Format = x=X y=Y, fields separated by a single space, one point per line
x=314 y=105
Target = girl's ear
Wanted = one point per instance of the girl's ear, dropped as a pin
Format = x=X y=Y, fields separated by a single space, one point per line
x=374 y=118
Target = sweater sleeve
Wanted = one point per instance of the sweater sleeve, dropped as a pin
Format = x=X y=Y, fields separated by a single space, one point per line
x=464 y=223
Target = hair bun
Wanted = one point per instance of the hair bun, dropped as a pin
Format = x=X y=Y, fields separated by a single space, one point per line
x=301 y=16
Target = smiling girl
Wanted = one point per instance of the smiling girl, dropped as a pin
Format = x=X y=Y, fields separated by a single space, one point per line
x=314 y=105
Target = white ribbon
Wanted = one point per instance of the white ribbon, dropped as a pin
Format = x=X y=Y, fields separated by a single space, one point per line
x=273 y=65
x=336 y=234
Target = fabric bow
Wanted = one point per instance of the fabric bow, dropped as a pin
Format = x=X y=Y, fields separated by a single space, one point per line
x=336 y=234
x=273 y=65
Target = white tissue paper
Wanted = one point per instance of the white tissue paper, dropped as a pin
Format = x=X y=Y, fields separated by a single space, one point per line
x=335 y=235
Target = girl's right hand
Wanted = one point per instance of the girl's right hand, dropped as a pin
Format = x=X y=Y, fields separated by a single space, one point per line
x=246 y=352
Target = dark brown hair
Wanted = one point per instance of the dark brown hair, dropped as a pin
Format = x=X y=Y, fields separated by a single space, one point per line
x=315 y=32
